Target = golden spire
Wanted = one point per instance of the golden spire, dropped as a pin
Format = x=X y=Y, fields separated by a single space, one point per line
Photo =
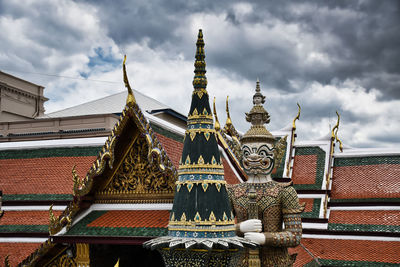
x=200 y=80
x=130 y=100
x=217 y=126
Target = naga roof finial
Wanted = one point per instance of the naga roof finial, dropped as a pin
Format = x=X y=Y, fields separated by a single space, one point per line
x=130 y=100
x=297 y=117
x=334 y=133
x=228 y=115
x=217 y=126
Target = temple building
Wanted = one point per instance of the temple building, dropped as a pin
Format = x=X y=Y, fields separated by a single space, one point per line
x=88 y=185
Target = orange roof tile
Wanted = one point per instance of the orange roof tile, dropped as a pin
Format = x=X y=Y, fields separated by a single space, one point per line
x=26 y=217
x=380 y=217
x=229 y=175
x=304 y=169
x=172 y=147
x=366 y=181
x=17 y=251
x=50 y=175
x=302 y=256
x=132 y=218
x=354 y=250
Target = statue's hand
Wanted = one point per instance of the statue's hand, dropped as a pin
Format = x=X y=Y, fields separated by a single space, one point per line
x=252 y=225
x=258 y=238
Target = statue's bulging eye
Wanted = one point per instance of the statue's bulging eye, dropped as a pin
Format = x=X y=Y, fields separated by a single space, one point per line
x=246 y=151
x=262 y=153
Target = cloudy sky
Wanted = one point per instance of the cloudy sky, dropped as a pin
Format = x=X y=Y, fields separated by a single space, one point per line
x=325 y=55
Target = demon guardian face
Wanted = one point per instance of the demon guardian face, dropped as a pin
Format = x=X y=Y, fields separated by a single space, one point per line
x=258 y=158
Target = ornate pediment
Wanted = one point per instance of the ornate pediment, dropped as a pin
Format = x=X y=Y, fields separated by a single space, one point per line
x=138 y=177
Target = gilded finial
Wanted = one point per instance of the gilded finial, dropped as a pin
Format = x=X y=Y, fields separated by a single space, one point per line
x=334 y=134
x=258 y=116
x=228 y=116
x=258 y=85
x=336 y=127
x=200 y=80
x=258 y=98
x=130 y=100
x=217 y=126
x=297 y=117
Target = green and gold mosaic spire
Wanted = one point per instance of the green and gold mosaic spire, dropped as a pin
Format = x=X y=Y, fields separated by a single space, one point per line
x=201 y=206
x=201 y=215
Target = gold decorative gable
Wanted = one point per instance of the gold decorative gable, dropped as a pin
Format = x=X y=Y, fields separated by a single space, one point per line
x=132 y=167
x=138 y=178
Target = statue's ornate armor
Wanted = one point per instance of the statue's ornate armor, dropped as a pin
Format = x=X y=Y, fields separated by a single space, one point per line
x=277 y=203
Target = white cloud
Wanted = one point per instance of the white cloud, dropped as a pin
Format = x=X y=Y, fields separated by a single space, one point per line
x=63 y=39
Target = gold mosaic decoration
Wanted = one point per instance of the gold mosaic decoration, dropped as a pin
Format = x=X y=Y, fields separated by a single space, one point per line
x=204 y=183
x=63 y=261
x=136 y=175
x=279 y=151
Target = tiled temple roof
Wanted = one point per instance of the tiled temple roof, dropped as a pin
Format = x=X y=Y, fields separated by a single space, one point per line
x=16 y=251
x=308 y=168
x=338 y=252
x=129 y=223
x=41 y=175
x=379 y=177
x=365 y=220
x=26 y=218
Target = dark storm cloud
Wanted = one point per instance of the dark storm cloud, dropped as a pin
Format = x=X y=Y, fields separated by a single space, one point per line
x=42 y=34
x=297 y=48
x=367 y=35
x=135 y=21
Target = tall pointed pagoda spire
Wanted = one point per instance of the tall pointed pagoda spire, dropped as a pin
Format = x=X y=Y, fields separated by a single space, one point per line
x=201 y=200
x=201 y=216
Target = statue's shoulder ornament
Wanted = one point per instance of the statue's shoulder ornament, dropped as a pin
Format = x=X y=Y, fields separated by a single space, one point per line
x=289 y=199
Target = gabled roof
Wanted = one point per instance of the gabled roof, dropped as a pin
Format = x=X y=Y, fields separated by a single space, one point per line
x=109 y=104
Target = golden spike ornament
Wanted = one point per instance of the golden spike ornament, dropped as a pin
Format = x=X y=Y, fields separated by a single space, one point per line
x=130 y=100
x=293 y=137
x=228 y=116
x=229 y=128
x=297 y=117
x=217 y=126
x=334 y=133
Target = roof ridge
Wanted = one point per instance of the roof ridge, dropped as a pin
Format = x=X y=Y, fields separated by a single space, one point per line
x=85 y=103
